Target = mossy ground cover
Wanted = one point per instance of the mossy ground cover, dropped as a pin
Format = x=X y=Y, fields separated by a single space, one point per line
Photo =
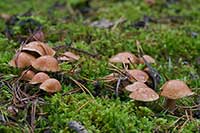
x=170 y=35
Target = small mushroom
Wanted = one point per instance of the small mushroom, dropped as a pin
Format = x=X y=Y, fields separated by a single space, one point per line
x=22 y=60
x=173 y=90
x=69 y=56
x=144 y=94
x=48 y=50
x=150 y=2
x=113 y=77
x=135 y=85
x=146 y=69
x=5 y=16
x=124 y=57
x=51 y=85
x=39 y=48
x=27 y=75
x=46 y=63
x=39 y=78
x=34 y=47
x=38 y=36
x=148 y=58
x=137 y=75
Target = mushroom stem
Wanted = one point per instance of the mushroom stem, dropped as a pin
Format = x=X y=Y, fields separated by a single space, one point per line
x=170 y=104
x=140 y=103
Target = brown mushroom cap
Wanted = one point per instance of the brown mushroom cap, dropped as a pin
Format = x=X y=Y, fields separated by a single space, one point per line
x=39 y=78
x=46 y=63
x=150 y=2
x=124 y=57
x=135 y=85
x=38 y=36
x=146 y=69
x=22 y=60
x=51 y=85
x=111 y=77
x=148 y=58
x=27 y=75
x=138 y=75
x=144 y=94
x=68 y=56
x=39 y=47
x=48 y=50
x=175 y=89
x=71 y=55
x=5 y=16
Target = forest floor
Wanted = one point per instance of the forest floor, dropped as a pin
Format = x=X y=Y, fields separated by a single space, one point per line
x=167 y=30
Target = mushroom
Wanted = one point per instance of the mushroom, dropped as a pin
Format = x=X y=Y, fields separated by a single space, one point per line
x=39 y=48
x=148 y=58
x=38 y=36
x=124 y=57
x=135 y=85
x=68 y=56
x=146 y=69
x=111 y=77
x=27 y=75
x=145 y=94
x=46 y=63
x=51 y=85
x=5 y=16
x=22 y=60
x=34 y=47
x=48 y=50
x=39 y=78
x=150 y=2
x=137 y=75
x=173 y=90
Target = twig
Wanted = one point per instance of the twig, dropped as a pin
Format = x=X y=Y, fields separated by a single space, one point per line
x=118 y=70
x=181 y=128
x=189 y=107
x=2 y=118
x=33 y=111
x=30 y=97
x=153 y=73
x=82 y=87
x=71 y=91
x=85 y=78
x=188 y=118
x=82 y=106
x=134 y=66
x=177 y=120
x=119 y=21
x=115 y=70
x=110 y=87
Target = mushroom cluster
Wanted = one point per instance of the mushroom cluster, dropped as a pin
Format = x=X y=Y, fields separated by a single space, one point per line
x=39 y=58
x=138 y=80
